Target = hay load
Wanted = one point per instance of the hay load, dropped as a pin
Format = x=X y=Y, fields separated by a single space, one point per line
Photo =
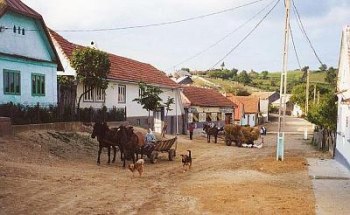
x=240 y=135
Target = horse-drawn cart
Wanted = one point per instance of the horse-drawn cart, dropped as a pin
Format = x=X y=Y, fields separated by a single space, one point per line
x=162 y=146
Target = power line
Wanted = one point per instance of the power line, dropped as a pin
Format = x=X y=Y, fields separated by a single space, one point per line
x=301 y=26
x=245 y=37
x=223 y=38
x=294 y=47
x=163 y=23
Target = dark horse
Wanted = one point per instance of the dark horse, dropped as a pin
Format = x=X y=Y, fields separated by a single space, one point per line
x=211 y=131
x=106 y=138
x=133 y=145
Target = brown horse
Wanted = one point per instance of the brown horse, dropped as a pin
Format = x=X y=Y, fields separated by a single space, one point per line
x=211 y=131
x=133 y=145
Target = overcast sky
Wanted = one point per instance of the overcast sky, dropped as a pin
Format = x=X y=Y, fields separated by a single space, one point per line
x=166 y=46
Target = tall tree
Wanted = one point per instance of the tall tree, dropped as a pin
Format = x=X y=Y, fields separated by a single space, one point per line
x=244 y=78
x=149 y=98
x=92 y=67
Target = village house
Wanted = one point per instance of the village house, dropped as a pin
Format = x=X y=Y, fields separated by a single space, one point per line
x=203 y=105
x=289 y=105
x=247 y=109
x=265 y=99
x=28 y=59
x=342 y=153
x=124 y=78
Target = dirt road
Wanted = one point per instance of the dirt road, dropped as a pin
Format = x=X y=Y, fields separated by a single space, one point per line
x=45 y=172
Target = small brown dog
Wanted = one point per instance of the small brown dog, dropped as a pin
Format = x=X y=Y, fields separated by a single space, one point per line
x=187 y=160
x=137 y=166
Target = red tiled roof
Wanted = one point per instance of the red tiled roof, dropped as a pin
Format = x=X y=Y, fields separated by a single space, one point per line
x=122 y=68
x=239 y=111
x=18 y=7
x=251 y=103
x=206 y=97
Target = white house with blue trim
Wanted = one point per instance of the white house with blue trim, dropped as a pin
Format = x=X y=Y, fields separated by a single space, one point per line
x=28 y=59
x=342 y=153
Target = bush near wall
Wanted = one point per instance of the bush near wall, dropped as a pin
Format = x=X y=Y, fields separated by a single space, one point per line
x=25 y=114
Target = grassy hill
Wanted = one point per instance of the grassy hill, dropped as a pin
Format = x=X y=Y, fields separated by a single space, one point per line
x=270 y=83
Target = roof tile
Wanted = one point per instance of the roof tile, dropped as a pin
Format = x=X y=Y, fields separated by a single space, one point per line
x=206 y=97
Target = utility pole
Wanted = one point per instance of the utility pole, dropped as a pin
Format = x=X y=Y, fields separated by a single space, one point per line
x=283 y=85
x=307 y=92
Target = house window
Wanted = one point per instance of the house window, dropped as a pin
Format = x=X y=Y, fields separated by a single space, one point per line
x=38 y=85
x=100 y=94
x=12 y=82
x=89 y=95
x=121 y=94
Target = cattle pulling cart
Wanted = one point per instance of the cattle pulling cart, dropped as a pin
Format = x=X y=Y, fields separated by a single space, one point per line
x=162 y=146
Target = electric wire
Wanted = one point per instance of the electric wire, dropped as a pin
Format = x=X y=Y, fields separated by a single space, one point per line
x=246 y=36
x=223 y=38
x=161 y=23
x=301 y=26
x=294 y=47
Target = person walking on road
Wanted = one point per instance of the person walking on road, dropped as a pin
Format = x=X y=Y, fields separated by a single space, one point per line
x=191 y=127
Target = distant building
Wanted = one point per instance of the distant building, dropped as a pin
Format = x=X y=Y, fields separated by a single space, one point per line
x=28 y=58
x=184 y=80
x=203 y=105
x=247 y=109
x=342 y=153
x=266 y=99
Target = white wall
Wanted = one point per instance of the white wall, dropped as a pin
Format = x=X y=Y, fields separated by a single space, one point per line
x=33 y=44
x=343 y=131
x=249 y=119
x=343 y=85
x=132 y=91
x=26 y=69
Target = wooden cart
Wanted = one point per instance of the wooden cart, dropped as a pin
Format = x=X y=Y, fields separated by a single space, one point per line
x=163 y=146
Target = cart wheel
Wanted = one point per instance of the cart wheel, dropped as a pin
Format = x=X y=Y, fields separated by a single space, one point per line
x=154 y=157
x=171 y=154
x=228 y=142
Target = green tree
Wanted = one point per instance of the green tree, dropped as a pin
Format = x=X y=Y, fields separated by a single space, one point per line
x=324 y=114
x=92 y=67
x=252 y=74
x=167 y=105
x=149 y=98
x=264 y=74
x=299 y=96
x=244 y=78
x=331 y=76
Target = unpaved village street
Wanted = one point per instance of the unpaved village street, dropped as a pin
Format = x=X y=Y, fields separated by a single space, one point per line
x=48 y=172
